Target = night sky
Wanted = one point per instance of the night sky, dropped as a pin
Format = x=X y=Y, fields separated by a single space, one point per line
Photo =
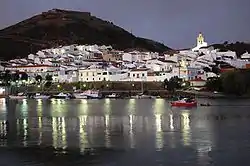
x=176 y=23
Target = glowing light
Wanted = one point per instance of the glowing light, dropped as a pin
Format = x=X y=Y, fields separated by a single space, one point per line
x=83 y=107
x=107 y=131
x=159 y=134
x=131 y=132
x=171 y=125
x=83 y=134
x=186 y=128
x=131 y=106
x=40 y=130
x=54 y=131
x=2 y=91
x=25 y=128
x=158 y=123
x=3 y=103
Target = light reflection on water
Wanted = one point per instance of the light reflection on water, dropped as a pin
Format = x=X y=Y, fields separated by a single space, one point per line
x=138 y=124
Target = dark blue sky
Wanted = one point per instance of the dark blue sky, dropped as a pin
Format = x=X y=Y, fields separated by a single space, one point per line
x=174 y=22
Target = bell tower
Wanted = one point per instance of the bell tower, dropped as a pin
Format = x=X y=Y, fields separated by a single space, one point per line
x=200 y=39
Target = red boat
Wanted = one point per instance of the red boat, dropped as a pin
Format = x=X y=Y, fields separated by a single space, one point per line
x=184 y=103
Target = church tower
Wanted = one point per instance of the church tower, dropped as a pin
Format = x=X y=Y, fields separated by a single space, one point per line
x=200 y=39
x=200 y=42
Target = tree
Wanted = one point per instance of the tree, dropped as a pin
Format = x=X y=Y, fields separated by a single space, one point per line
x=15 y=77
x=174 y=83
x=24 y=76
x=38 y=78
x=214 y=84
x=165 y=83
x=234 y=83
x=49 y=78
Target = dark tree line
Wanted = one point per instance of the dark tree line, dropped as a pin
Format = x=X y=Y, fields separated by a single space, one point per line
x=232 y=82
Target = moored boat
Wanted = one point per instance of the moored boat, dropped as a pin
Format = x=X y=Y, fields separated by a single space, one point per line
x=62 y=96
x=89 y=94
x=40 y=96
x=18 y=96
x=142 y=96
x=112 y=96
x=80 y=96
x=185 y=102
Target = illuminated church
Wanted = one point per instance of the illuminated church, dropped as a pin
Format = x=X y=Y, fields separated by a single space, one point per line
x=200 y=42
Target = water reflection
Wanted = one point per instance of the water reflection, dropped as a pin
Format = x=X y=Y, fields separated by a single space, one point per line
x=158 y=111
x=59 y=132
x=102 y=123
x=185 y=127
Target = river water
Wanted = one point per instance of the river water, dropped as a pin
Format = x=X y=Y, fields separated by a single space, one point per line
x=130 y=132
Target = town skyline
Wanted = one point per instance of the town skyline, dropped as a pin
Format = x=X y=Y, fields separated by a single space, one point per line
x=175 y=25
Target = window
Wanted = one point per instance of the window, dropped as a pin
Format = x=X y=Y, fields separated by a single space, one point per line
x=87 y=79
x=143 y=74
x=133 y=75
x=93 y=79
x=104 y=73
x=137 y=75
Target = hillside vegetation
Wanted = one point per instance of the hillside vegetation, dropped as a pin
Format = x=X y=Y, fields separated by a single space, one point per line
x=60 y=27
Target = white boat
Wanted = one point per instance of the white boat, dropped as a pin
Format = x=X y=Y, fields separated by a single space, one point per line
x=18 y=96
x=142 y=96
x=62 y=96
x=89 y=94
x=80 y=96
x=39 y=96
x=113 y=95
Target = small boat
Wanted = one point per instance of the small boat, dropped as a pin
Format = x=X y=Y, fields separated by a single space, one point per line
x=39 y=96
x=62 y=96
x=185 y=102
x=205 y=104
x=142 y=96
x=112 y=96
x=89 y=94
x=18 y=96
x=80 y=96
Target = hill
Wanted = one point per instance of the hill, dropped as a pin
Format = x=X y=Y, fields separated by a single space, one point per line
x=61 y=27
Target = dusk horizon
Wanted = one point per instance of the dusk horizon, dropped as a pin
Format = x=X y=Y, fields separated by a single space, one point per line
x=176 y=24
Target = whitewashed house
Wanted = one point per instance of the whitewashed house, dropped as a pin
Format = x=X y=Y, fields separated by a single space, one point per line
x=96 y=74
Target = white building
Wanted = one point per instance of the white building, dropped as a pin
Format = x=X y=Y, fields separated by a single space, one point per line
x=160 y=65
x=138 y=74
x=95 y=74
x=200 y=43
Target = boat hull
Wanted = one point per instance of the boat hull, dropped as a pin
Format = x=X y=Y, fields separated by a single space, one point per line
x=18 y=97
x=41 y=97
x=184 y=104
x=80 y=96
